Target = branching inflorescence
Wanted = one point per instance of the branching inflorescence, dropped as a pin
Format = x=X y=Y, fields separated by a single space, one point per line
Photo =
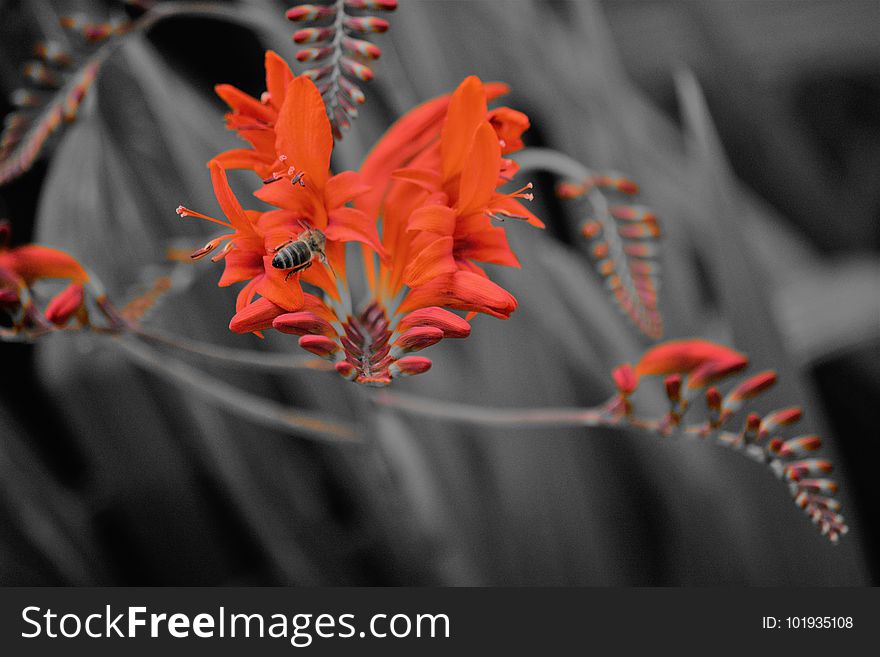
x=693 y=369
x=623 y=244
x=337 y=45
x=417 y=223
x=57 y=80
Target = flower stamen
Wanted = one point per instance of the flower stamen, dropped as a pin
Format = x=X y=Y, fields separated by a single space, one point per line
x=292 y=173
x=210 y=246
x=186 y=212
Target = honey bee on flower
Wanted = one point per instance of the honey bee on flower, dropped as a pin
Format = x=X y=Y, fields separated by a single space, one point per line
x=424 y=208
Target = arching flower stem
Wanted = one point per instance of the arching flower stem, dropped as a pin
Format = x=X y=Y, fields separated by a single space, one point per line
x=252 y=407
x=230 y=356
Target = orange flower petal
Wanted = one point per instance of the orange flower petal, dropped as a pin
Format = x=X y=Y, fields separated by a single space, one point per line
x=684 y=356
x=410 y=135
x=303 y=131
x=240 y=266
x=425 y=178
x=351 y=225
x=344 y=187
x=319 y=275
x=241 y=102
x=509 y=125
x=488 y=246
x=256 y=316
x=317 y=307
x=246 y=295
x=434 y=260
x=246 y=158
x=278 y=76
x=438 y=219
x=303 y=203
x=479 y=176
x=32 y=262
x=451 y=324
x=467 y=110
x=228 y=203
x=285 y=293
x=462 y=290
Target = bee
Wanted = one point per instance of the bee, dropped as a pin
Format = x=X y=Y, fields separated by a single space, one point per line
x=298 y=254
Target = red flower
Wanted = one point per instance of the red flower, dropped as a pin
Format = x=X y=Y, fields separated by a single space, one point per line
x=21 y=266
x=437 y=219
x=310 y=199
x=246 y=254
x=254 y=120
x=705 y=362
x=436 y=215
x=302 y=184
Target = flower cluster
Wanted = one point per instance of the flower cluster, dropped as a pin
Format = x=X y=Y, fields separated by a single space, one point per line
x=424 y=209
x=692 y=368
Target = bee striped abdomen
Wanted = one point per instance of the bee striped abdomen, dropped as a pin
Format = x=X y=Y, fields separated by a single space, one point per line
x=293 y=256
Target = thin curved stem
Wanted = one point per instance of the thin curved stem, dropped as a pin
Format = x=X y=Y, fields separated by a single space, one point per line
x=230 y=356
x=256 y=409
x=503 y=417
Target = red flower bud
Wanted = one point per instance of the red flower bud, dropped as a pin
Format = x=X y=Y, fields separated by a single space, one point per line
x=303 y=323
x=319 y=345
x=673 y=387
x=65 y=305
x=410 y=366
x=625 y=379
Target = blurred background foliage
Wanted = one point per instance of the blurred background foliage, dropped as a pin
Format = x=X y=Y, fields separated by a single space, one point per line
x=111 y=475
